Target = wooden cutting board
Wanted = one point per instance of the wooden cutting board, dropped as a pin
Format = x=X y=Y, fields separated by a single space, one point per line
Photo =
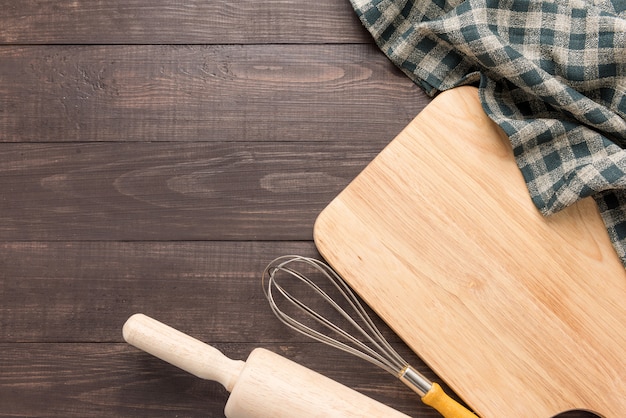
x=522 y=315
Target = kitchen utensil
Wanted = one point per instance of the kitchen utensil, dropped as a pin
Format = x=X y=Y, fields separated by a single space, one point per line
x=286 y=273
x=522 y=315
x=265 y=386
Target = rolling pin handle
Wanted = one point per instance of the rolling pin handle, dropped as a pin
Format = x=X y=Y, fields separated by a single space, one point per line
x=447 y=407
x=181 y=350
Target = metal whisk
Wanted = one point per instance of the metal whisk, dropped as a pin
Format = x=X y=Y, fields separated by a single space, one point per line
x=282 y=279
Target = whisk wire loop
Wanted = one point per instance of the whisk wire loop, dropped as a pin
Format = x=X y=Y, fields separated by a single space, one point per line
x=379 y=351
x=313 y=333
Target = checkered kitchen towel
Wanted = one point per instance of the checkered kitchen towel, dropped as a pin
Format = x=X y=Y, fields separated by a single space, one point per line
x=552 y=74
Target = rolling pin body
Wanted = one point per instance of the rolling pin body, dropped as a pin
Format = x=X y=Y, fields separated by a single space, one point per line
x=265 y=386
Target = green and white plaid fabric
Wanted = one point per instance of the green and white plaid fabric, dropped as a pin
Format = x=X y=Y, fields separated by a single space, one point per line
x=552 y=74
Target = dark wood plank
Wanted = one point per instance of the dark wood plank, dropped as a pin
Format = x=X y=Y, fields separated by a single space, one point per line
x=84 y=291
x=172 y=191
x=202 y=93
x=191 y=21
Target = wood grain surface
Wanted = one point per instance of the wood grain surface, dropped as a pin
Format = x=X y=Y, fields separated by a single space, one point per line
x=172 y=191
x=213 y=93
x=155 y=156
x=189 y=22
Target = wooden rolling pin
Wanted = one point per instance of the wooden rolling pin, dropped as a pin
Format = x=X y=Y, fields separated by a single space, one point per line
x=265 y=386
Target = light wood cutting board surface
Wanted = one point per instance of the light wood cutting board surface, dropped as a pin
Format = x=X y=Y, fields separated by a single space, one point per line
x=522 y=315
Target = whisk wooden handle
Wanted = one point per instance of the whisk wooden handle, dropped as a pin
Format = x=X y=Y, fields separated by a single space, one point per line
x=181 y=350
x=446 y=406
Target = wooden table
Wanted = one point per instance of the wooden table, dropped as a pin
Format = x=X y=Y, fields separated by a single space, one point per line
x=154 y=157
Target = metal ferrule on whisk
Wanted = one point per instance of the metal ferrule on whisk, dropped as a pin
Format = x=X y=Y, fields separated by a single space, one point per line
x=414 y=380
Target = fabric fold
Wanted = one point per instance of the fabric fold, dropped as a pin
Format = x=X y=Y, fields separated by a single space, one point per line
x=551 y=74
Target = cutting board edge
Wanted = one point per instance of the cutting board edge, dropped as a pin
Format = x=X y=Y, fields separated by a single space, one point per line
x=324 y=251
